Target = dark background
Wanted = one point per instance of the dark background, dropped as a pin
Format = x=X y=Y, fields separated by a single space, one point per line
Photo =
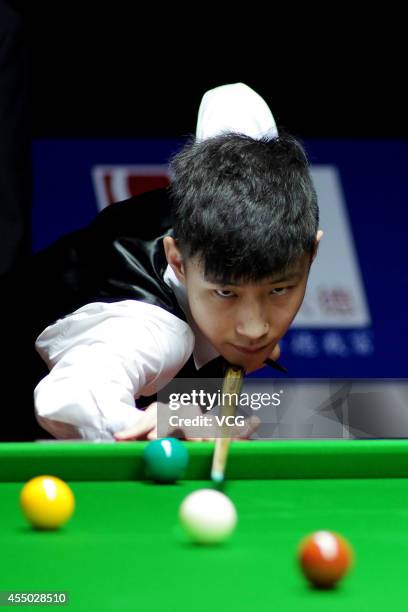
x=119 y=69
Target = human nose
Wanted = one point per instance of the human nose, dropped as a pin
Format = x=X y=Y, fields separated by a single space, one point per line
x=253 y=325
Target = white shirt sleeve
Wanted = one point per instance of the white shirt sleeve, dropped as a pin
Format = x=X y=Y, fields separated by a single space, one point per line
x=102 y=357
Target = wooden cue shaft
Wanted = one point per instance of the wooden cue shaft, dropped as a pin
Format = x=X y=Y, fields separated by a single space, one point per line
x=231 y=389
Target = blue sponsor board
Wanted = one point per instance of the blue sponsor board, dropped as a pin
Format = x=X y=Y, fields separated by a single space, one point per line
x=69 y=173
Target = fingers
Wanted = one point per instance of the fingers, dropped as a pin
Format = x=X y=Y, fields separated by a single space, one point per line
x=251 y=425
x=136 y=433
x=274 y=356
x=145 y=428
x=152 y=435
x=275 y=353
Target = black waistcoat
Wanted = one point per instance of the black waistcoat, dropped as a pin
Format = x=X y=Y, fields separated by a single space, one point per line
x=119 y=256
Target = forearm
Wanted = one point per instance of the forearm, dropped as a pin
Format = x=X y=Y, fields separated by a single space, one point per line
x=101 y=358
x=86 y=395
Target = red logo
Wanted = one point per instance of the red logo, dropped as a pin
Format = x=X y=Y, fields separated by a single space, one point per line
x=116 y=183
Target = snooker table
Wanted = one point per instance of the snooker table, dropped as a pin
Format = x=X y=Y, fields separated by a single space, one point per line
x=123 y=549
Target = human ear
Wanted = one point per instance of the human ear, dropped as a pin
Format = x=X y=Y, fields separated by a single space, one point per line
x=319 y=236
x=174 y=257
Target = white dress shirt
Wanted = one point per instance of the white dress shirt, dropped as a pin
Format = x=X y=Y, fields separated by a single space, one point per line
x=104 y=356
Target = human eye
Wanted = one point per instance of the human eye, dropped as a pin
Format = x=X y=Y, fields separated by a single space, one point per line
x=223 y=293
x=280 y=290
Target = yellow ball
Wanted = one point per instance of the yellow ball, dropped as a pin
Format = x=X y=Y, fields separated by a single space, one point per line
x=47 y=502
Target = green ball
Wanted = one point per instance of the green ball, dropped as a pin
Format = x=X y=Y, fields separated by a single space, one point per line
x=165 y=460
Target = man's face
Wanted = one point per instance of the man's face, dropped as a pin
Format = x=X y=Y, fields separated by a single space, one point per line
x=244 y=322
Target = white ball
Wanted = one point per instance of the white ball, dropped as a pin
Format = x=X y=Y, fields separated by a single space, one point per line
x=208 y=516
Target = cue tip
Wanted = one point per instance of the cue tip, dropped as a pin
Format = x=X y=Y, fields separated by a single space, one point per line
x=217 y=477
x=218 y=482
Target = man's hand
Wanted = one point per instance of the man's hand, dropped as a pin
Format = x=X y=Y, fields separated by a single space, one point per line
x=146 y=429
x=274 y=356
x=275 y=353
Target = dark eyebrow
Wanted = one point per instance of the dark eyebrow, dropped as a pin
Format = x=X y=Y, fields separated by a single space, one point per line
x=282 y=279
x=286 y=278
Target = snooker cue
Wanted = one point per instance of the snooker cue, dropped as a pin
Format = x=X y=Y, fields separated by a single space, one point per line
x=232 y=384
x=275 y=365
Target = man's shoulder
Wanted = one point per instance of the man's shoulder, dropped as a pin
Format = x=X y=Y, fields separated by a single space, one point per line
x=153 y=207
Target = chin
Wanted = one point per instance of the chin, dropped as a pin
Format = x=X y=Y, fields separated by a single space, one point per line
x=245 y=362
x=234 y=359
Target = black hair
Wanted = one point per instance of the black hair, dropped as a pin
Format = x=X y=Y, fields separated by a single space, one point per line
x=247 y=208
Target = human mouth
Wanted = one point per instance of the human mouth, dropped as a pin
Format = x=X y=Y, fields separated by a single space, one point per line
x=249 y=351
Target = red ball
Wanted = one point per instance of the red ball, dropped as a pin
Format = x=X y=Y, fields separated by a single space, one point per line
x=325 y=557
